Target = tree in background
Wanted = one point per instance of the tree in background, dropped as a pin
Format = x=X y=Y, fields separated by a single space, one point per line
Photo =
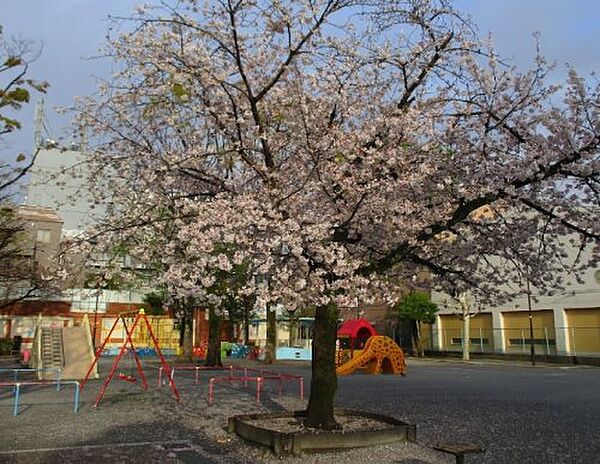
x=222 y=283
x=364 y=137
x=415 y=308
x=157 y=302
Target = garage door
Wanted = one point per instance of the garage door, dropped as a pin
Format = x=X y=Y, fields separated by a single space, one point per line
x=584 y=331
x=516 y=331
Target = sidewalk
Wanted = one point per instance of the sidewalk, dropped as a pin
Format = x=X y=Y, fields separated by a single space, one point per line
x=428 y=360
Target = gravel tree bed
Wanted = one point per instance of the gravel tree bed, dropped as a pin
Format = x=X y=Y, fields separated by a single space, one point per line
x=292 y=424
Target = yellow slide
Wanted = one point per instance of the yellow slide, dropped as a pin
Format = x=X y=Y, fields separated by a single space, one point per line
x=381 y=355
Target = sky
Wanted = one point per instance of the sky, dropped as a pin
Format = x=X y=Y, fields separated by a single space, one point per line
x=71 y=31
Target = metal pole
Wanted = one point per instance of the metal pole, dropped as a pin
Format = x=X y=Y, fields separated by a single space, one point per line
x=76 y=400
x=481 y=339
x=16 y=407
x=531 y=341
x=95 y=316
x=547 y=342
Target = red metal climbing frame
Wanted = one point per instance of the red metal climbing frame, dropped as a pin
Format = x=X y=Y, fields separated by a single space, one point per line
x=128 y=341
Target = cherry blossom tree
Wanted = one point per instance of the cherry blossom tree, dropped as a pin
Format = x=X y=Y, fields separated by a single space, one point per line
x=338 y=145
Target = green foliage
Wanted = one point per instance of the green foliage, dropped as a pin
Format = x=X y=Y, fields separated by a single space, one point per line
x=156 y=303
x=14 y=85
x=6 y=345
x=179 y=92
x=18 y=95
x=416 y=306
x=12 y=61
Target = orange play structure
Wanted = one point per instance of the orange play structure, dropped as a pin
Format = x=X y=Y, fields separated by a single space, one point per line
x=352 y=337
x=380 y=355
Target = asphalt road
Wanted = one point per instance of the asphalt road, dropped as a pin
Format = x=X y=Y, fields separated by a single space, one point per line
x=520 y=414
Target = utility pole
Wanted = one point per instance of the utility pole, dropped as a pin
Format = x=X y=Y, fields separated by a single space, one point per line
x=531 y=340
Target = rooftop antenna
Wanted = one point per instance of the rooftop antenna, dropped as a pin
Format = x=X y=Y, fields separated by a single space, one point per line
x=83 y=140
x=39 y=124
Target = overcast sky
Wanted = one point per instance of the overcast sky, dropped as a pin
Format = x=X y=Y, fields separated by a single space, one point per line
x=70 y=31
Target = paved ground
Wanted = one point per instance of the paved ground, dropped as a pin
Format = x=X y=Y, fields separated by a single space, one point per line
x=520 y=414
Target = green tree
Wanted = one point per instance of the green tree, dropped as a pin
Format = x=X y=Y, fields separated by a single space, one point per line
x=156 y=301
x=416 y=307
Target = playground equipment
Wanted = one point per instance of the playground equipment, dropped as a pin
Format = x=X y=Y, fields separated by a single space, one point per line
x=261 y=377
x=163 y=327
x=380 y=355
x=15 y=373
x=128 y=346
x=16 y=388
x=68 y=349
x=352 y=337
x=197 y=369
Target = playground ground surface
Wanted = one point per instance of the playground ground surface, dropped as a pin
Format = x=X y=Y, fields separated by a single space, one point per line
x=519 y=413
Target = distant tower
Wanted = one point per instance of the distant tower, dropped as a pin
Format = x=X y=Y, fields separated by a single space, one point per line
x=83 y=140
x=39 y=124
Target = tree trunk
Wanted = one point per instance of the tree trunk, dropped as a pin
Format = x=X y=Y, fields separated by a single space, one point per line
x=181 y=332
x=419 y=341
x=466 y=336
x=414 y=338
x=270 y=354
x=292 y=326
x=323 y=382
x=213 y=356
x=188 y=340
x=246 y=325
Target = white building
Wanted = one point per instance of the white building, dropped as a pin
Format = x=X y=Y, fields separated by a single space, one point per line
x=59 y=180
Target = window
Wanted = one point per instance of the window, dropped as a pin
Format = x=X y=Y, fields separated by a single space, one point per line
x=472 y=341
x=43 y=235
x=527 y=341
x=305 y=332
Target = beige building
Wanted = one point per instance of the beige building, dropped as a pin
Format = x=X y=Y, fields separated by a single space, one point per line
x=566 y=323
x=43 y=230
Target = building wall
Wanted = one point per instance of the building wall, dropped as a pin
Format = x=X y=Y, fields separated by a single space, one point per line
x=59 y=179
x=566 y=323
x=43 y=230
